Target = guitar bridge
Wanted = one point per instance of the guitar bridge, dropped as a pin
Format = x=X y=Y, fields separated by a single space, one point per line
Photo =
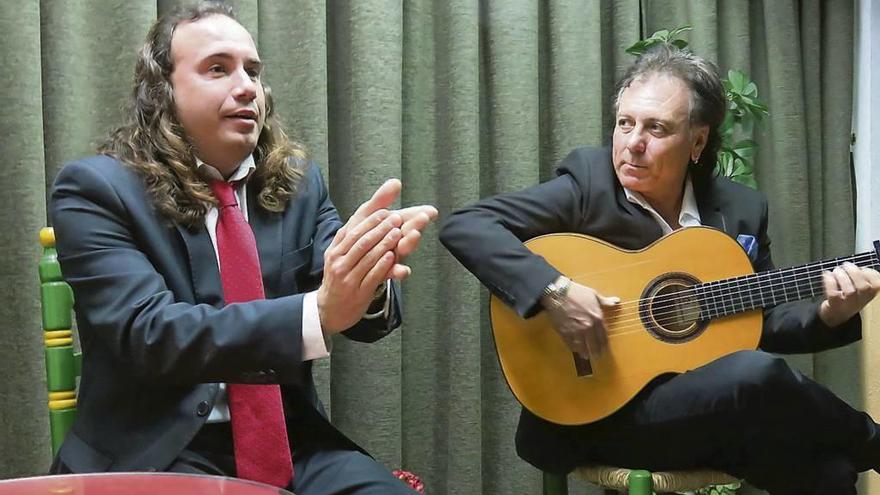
x=581 y=365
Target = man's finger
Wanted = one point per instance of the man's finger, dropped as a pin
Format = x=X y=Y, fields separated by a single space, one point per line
x=830 y=283
x=843 y=281
x=340 y=234
x=408 y=244
x=608 y=301
x=369 y=247
x=399 y=272
x=595 y=338
x=382 y=218
x=602 y=337
x=582 y=348
x=384 y=197
x=372 y=268
x=417 y=217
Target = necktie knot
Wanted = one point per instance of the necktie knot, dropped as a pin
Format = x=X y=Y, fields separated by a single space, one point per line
x=224 y=192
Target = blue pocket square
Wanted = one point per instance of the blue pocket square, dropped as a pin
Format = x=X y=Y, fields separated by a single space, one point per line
x=749 y=244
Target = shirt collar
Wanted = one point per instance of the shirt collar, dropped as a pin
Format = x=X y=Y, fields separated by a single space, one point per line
x=243 y=171
x=689 y=211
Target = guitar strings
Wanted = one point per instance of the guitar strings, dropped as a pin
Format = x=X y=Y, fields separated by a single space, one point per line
x=723 y=289
x=668 y=312
x=723 y=285
x=667 y=306
x=789 y=274
x=633 y=322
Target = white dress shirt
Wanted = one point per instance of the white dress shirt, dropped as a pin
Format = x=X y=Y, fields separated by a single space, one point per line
x=315 y=345
x=689 y=216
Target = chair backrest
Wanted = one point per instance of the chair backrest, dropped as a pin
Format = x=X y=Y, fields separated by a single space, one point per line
x=62 y=362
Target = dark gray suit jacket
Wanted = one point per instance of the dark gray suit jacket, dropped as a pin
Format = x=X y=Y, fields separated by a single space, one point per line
x=155 y=333
x=587 y=198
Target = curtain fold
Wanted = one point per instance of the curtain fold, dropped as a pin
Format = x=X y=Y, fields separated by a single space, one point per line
x=460 y=99
x=23 y=418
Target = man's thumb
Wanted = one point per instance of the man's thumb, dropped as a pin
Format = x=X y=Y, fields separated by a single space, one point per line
x=609 y=301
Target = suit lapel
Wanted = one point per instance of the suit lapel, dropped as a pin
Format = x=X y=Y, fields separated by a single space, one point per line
x=267 y=231
x=710 y=211
x=203 y=265
x=643 y=229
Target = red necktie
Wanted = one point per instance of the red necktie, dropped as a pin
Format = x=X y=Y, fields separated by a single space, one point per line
x=259 y=435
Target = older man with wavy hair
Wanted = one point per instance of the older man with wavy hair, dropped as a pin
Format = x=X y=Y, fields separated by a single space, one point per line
x=210 y=268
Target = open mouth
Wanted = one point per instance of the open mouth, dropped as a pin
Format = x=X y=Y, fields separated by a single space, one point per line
x=246 y=115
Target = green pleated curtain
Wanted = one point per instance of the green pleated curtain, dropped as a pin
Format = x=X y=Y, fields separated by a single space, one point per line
x=460 y=99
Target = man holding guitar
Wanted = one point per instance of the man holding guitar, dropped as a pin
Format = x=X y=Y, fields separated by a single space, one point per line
x=744 y=412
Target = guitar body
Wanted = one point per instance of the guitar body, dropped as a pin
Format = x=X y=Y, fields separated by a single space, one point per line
x=642 y=343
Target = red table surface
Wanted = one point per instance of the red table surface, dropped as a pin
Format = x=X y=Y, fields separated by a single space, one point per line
x=135 y=484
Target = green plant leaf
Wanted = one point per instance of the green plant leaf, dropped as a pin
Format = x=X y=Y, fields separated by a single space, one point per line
x=737 y=80
x=726 y=126
x=677 y=31
x=745 y=148
x=680 y=44
x=759 y=109
x=637 y=48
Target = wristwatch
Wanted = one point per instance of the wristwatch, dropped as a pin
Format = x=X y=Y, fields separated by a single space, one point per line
x=555 y=293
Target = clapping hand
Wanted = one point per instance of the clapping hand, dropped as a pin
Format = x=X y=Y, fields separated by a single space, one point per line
x=369 y=249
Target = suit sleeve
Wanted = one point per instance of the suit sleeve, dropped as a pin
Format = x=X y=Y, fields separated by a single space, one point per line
x=328 y=223
x=487 y=238
x=130 y=313
x=795 y=327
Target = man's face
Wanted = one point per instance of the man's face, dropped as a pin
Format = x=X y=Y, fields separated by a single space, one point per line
x=653 y=139
x=217 y=91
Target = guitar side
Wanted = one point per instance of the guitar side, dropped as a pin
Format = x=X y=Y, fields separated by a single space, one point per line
x=540 y=368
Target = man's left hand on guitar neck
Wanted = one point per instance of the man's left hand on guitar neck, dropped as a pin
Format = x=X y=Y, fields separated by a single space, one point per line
x=848 y=289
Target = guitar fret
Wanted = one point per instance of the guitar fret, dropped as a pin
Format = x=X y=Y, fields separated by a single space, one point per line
x=774 y=285
x=727 y=297
x=761 y=292
x=711 y=306
x=742 y=302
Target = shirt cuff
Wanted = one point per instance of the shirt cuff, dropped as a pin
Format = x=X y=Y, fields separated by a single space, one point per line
x=385 y=306
x=315 y=344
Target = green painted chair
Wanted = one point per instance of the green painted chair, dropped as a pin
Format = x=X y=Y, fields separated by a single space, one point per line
x=636 y=481
x=62 y=362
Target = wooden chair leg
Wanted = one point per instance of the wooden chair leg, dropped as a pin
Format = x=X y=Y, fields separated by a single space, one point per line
x=555 y=484
x=640 y=483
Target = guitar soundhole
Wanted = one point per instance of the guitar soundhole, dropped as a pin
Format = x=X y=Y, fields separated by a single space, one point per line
x=670 y=310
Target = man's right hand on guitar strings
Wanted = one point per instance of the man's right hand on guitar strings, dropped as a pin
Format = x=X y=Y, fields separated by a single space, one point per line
x=578 y=315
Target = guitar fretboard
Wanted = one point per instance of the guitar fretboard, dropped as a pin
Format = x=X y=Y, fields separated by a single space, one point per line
x=760 y=290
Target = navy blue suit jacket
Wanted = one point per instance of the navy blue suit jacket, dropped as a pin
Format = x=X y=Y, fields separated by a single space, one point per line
x=156 y=335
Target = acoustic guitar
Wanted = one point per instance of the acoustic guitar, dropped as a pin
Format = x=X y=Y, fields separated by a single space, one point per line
x=686 y=300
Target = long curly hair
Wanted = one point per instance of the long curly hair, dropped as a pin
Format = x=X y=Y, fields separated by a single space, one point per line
x=153 y=143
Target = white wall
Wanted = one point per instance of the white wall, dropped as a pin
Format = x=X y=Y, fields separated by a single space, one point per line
x=866 y=118
x=866 y=152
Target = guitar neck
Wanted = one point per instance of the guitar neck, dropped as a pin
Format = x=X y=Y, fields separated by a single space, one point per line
x=760 y=290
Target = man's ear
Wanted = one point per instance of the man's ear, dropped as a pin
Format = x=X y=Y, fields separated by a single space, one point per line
x=700 y=138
